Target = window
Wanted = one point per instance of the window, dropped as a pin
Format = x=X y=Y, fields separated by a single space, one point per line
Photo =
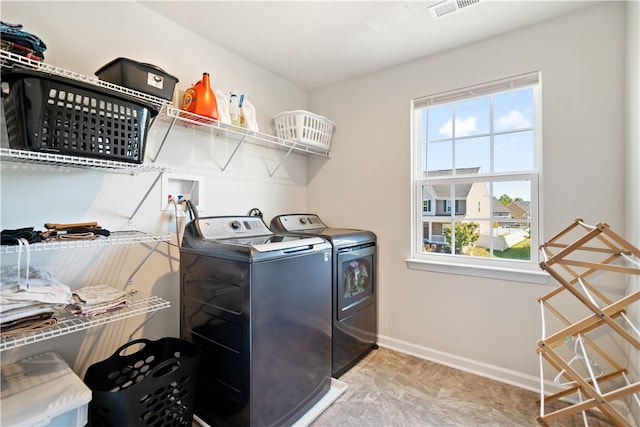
x=426 y=206
x=477 y=158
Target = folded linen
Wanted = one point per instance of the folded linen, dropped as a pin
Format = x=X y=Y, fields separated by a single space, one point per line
x=97 y=299
x=41 y=286
x=28 y=325
x=10 y=315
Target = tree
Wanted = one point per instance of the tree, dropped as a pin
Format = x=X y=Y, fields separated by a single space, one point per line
x=466 y=234
x=505 y=199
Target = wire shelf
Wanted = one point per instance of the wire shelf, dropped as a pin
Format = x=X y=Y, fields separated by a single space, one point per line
x=11 y=60
x=236 y=132
x=116 y=238
x=58 y=160
x=68 y=323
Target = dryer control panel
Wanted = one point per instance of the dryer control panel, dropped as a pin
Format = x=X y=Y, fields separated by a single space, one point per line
x=297 y=222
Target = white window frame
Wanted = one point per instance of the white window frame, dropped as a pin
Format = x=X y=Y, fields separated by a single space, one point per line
x=527 y=271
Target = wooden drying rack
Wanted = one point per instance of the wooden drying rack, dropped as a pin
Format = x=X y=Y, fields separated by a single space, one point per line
x=573 y=274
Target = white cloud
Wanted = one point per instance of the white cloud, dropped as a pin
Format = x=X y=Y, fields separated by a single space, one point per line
x=514 y=120
x=464 y=127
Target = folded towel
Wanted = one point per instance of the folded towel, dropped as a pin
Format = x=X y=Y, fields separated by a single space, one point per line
x=97 y=299
x=98 y=294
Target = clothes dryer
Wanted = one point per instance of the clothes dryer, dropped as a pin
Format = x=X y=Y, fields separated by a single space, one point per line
x=354 y=286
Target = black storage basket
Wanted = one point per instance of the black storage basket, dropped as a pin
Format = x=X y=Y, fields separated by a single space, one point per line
x=154 y=386
x=55 y=114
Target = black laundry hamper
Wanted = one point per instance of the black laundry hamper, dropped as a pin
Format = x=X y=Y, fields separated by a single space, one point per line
x=154 y=386
x=53 y=114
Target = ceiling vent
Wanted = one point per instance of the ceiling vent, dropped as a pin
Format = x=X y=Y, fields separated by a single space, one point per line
x=447 y=7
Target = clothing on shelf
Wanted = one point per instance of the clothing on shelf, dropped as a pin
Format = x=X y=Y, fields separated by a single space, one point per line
x=12 y=237
x=29 y=301
x=13 y=33
x=77 y=231
x=97 y=299
x=38 y=285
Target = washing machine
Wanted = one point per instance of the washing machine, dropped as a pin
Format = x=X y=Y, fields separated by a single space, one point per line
x=258 y=305
x=354 y=286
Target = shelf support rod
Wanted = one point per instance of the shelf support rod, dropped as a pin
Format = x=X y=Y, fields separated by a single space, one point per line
x=235 y=150
x=153 y=184
x=141 y=263
x=164 y=139
x=281 y=162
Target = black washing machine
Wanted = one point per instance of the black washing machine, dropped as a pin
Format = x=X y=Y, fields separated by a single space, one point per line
x=258 y=306
x=354 y=286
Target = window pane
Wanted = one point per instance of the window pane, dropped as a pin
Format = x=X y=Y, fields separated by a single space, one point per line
x=511 y=241
x=472 y=117
x=513 y=110
x=473 y=153
x=439 y=122
x=513 y=191
x=513 y=152
x=482 y=246
x=440 y=156
x=511 y=224
x=433 y=239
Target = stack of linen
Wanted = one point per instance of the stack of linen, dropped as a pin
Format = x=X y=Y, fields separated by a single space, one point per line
x=20 y=42
x=30 y=300
x=97 y=299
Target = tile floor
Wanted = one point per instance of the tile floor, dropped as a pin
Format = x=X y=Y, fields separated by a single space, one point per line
x=389 y=388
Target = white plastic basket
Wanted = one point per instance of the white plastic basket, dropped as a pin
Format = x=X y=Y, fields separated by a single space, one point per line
x=304 y=127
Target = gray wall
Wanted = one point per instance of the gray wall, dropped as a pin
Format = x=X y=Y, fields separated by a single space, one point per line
x=477 y=323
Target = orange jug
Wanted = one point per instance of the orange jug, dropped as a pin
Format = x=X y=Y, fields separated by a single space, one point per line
x=200 y=99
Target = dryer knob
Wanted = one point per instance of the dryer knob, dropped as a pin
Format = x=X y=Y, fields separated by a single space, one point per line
x=236 y=225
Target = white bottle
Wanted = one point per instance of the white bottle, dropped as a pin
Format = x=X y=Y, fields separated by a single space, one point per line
x=234 y=109
x=249 y=111
x=223 y=107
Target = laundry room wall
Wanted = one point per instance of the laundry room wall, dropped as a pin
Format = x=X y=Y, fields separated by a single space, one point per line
x=476 y=323
x=81 y=37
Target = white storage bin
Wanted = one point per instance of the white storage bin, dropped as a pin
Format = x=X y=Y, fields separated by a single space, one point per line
x=43 y=391
x=305 y=128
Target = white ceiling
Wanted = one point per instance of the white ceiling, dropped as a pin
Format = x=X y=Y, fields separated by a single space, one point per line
x=319 y=43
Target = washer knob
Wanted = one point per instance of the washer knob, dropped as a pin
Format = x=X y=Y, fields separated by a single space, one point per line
x=303 y=220
x=236 y=225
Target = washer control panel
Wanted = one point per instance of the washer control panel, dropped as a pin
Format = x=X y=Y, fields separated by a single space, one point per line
x=226 y=227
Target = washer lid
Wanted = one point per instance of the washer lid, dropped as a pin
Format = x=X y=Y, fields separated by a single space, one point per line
x=251 y=231
x=288 y=243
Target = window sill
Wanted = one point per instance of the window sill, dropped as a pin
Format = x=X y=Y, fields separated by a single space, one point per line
x=514 y=275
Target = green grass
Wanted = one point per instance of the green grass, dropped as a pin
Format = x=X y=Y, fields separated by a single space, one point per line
x=521 y=250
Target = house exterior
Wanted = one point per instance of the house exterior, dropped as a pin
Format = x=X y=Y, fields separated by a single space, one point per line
x=520 y=209
x=467 y=201
x=470 y=202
